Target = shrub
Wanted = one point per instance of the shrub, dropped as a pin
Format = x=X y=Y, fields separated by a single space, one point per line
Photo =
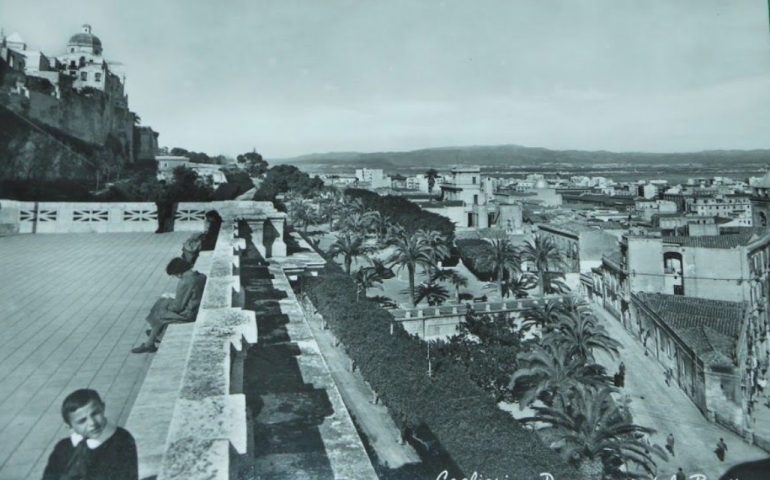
x=464 y=419
x=471 y=251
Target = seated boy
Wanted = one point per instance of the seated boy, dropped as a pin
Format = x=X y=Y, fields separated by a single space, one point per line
x=183 y=307
x=96 y=449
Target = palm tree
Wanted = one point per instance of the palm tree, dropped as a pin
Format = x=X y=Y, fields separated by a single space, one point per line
x=598 y=434
x=431 y=175
x=330 y=206
x=438 y=246
x=366 y=278
x=350 y=246
x=354 y=205
x=409 y=252
x=551 y=372
x=451 y=277
x=544 y=255
x=543 y=316
x=302 y=214
x=380 y=224
x=503 y=260
x=434 y=293
x=519 y=284
x=383 y=271
x=357 y=223
x=580 y=334
x=572 y=304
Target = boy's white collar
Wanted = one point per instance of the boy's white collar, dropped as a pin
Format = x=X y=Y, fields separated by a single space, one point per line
x=92 y=443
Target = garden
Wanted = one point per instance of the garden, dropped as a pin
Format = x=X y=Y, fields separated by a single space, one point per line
x=540 y=369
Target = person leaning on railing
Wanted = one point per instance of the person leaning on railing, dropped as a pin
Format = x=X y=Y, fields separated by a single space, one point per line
x=207 y=240
x=182 y=307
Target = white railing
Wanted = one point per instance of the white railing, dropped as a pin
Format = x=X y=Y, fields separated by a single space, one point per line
x=95 y=217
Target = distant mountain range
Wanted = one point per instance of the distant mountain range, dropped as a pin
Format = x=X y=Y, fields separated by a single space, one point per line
x=517 y=156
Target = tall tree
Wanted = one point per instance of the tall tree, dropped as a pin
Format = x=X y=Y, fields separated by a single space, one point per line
x=409 y=251
x=544 y=316
x=599 y=435
x=437 y=243
x=580 y=335
x=544 y=256
x=503 y=260
x=431 y=175
x=350 y=246
x=302 y=214
x=519 y=284
x=366 y=278
x=434 y=293
x=551 y=372
x=453 y=278
x=253 y=163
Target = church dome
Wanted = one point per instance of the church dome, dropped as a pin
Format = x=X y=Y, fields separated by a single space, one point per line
x=86 y=39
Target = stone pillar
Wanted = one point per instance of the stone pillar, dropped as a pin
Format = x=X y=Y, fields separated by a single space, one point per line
x=257 y=226
x=9 y=217
x=279 y=246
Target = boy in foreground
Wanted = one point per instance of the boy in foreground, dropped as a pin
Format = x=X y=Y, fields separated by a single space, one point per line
x=96 y=449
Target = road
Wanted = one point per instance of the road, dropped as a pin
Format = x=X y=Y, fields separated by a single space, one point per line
x=668 y=410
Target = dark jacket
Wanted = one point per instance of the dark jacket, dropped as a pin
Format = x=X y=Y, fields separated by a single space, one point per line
x=114 y=459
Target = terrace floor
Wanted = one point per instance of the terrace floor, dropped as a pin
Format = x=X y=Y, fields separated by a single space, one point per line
x=71 y=308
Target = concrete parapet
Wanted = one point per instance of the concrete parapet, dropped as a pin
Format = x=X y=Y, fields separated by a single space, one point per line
x=342 y=445
x=190 y=415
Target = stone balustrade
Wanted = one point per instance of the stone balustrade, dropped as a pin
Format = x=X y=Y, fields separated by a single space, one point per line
x=120 y=217
x=189 y=418
x=441 y=322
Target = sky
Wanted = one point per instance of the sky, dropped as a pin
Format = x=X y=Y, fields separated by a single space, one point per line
x=292 y=77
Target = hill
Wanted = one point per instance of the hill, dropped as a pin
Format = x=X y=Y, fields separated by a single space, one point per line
x=512 y=156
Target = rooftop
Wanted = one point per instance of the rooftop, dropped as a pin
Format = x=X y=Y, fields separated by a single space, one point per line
x=71 y=308
x=733 y=240
x=709 y=327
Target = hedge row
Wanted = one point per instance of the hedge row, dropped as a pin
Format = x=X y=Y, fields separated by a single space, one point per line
x=477 y=435
x=471 y=251
x=404 y=212
x=410 y=216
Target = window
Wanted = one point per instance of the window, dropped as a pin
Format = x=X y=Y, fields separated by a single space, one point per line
x=82 y=62
x=473 y=180
x=98 y=77
x=84 y=76
x=72 y=50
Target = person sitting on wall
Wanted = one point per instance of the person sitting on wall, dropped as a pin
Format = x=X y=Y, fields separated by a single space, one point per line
x=96 y=449
x=203 y=241
x=182 y=307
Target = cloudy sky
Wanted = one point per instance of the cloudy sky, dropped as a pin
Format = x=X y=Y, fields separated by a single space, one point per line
x=290 y=77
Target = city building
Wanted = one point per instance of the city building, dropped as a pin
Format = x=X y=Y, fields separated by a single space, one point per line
x=581 y=245
x=167 y=164
x=374 y=177
x=736 y=207
x=712 y=350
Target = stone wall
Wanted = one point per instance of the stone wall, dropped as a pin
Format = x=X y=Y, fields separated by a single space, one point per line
x=440 y=323
x=189 y=418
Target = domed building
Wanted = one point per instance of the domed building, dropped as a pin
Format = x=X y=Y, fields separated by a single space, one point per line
x=83 y=61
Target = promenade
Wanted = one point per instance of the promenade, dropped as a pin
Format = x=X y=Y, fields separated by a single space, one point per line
x=71 y=308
